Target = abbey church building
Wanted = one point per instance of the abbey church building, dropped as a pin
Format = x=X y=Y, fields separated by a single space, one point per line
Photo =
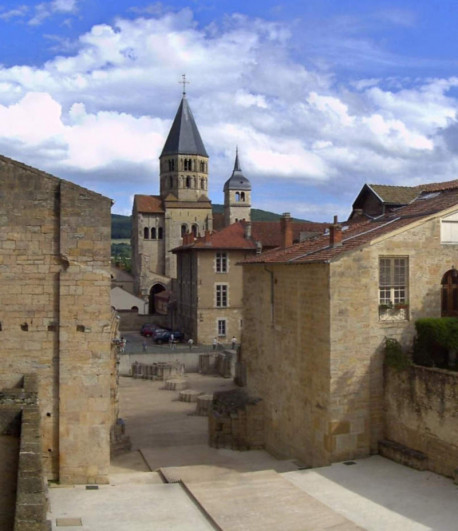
x=182 y=206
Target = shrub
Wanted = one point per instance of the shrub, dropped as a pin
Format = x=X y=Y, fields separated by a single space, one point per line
x=435 y=338
x=394 y=355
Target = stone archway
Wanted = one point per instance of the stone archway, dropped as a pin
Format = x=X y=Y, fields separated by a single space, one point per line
x=157 y=288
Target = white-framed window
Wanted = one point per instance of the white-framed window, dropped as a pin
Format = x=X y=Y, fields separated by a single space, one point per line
x=221 y=295
x=221 y=327
x=393 y=280
x=221 y=262
x=449 y=229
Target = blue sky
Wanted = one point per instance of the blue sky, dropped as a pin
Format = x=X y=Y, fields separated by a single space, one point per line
x=320 y=96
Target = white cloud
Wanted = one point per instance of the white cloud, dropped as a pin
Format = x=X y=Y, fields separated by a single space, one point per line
x=107 y=108
x=47 y=9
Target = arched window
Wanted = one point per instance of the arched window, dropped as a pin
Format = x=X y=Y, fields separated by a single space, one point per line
x=184 y=229
x=146 y=233
x=237 y=196
x=195 y=230
x=242 y=196
x=171 y=182
x=188 y=182
x=153 y=233
x=202 y=184
x=202 y=166
x=159 y=233
x=171 y=165
x=449 y=298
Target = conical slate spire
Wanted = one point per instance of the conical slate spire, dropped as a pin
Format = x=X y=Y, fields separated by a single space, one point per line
x=184 y=137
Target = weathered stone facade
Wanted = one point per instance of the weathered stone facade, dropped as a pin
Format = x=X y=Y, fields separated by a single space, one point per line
x=55 y=315
x=314 y=340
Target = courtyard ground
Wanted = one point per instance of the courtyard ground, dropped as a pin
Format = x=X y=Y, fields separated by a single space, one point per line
x=222 y=489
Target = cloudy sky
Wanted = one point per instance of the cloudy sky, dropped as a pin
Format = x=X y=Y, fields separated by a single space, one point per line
x=320 y=96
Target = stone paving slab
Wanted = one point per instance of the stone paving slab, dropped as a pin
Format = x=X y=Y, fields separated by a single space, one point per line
x=139 y=505
x=381 y=495
x=177 y=456
x=263 y=501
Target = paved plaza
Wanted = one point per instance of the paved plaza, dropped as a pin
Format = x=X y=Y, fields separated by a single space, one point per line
x=172 y=480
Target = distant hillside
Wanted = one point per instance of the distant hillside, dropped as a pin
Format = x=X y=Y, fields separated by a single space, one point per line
x=121 y=225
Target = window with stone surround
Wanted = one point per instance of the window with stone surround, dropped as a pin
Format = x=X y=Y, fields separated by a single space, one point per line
x=221 y=327
x=221 y=295
x=221 y=262
x=393 y=287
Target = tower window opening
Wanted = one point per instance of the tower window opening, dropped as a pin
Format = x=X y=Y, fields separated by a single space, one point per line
x=160 y=233
x=146 y=233
x=171 y=165
x=237 y=196
x=195 y=230
x=153 y=233
x=202 y=184
x=184 y=229
x=171 y=182
x=242 y=196
x=188 y=182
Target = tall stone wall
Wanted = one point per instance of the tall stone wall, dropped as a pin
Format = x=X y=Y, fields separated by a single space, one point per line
x=422 y=414
x=55 y=314
x=285 y=345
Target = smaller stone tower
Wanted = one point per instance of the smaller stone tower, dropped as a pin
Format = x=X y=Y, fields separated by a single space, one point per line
x=237 y=196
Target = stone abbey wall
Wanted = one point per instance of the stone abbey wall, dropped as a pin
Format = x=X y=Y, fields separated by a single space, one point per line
x=422 y=415
x=313 y=342
x=55 y=314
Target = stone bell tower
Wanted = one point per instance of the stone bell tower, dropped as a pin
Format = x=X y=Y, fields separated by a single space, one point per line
x=237 y=196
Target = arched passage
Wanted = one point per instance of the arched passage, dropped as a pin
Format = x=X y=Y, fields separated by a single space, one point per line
x=449 y=294
x=157 y=288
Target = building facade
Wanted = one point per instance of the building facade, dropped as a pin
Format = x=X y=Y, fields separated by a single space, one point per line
x=317 y=315
x=55 y=315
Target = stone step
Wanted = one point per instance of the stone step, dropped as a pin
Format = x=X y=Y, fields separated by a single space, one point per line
x=176 y=384
x=204 y=404
x=189 y=395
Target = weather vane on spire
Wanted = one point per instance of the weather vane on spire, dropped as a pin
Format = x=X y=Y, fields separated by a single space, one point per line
x=184 y=83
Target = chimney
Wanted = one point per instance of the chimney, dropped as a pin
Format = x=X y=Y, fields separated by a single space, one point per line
x=207 y=236
x=258 y=247
x=286 y=231
x=247 y=230
x=335 y=234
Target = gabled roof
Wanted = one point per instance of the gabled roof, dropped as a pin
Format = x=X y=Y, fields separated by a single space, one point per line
x=148 y=204
x=359 y=233
x=230 y=238
x=184 y=137
x=395 y=195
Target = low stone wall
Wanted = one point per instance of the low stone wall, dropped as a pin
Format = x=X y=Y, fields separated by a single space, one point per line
x=133 y=321
x=190 y=360
x=236 y=421
x=421 y=418
x=20 y=415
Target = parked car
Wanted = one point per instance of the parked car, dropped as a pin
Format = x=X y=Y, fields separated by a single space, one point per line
x=148 y=329
x=163 y=336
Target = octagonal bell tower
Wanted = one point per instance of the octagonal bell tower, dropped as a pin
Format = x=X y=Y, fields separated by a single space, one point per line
x=237 y=196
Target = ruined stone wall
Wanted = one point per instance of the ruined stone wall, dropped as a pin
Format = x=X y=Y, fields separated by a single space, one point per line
x=421 y=413
x=285 y=348
x=55 y=314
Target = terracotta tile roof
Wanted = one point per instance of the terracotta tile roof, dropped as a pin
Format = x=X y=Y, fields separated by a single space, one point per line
x=436 y=187
x=359 y=233
x=231 y=237
x=148 y=204
x=269 y=232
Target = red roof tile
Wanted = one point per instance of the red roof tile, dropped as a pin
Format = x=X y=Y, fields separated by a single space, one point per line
x=231 y=237
x=269 y=232
x=359 y=233
x=148 y=204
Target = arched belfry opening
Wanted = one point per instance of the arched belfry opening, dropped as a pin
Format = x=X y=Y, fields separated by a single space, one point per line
x=449 y=293
x=157 y=288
